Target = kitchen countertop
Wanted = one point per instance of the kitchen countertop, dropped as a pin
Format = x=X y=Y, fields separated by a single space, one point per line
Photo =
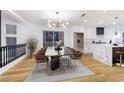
x=110 y=45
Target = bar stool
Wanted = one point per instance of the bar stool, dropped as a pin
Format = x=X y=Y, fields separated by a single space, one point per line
x=120 y=53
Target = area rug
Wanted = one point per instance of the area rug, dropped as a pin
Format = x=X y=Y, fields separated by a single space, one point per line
x=41 y=74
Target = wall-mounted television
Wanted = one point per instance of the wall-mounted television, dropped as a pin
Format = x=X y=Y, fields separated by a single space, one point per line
x=99 y=30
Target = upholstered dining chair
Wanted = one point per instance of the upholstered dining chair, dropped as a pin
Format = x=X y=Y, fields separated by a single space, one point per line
x=42 y=51
x=66 y=60
x=76 y=56
x=40 y=58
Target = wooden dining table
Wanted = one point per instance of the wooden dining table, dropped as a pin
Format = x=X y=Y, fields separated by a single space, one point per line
x=64 y=51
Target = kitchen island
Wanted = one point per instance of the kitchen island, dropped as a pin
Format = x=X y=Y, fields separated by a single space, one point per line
x=104 y=53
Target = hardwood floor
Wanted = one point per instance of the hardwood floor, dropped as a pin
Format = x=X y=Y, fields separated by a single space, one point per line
x=18 y=72
x=103 y=73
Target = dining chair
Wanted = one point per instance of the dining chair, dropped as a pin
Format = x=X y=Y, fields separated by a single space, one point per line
x=40 y=58
x=42 y=51
x=65 y=60
x=76 y=56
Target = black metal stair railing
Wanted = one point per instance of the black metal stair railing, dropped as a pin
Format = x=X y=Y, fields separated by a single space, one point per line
x=10 y=53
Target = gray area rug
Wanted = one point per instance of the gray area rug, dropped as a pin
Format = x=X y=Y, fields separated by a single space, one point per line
x=43 y=74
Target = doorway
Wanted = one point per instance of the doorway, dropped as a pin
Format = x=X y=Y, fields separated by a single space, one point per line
x=79 y=41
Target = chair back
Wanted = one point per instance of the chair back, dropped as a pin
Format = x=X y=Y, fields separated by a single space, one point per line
x=42 y=51
x=78 y=54
x=40 y=56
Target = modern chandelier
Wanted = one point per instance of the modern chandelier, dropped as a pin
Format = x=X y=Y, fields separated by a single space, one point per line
x=57 y=23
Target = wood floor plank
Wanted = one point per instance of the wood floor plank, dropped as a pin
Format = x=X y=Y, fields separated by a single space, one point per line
x=103 y=73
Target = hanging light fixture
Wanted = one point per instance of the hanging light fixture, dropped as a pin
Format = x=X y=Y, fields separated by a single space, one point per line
x=57 y=23
x=116 y=33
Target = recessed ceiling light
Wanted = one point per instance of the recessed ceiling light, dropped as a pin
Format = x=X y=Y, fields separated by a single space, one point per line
x=85 y=21
x=101 y=22
x=66 y=19
x=64 y=27
x=114 y=23
x=49 y=20
x=104 y=10
x=54 y=24
x=43 y=17
x=67 y=23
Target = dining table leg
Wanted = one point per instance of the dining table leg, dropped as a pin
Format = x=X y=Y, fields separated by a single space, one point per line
x=49 y=62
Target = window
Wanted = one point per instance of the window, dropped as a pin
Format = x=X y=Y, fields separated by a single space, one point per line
x=11 y=41
x=10 y=29
x=51 y=37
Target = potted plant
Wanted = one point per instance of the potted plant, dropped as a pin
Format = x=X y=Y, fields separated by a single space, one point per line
x=32 y=45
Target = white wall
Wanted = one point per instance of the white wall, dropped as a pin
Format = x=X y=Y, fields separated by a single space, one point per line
x=26 y=31
x=21 y=36
x=109 y=34
x=90 y=35
x=35 y=31
x=70 y=33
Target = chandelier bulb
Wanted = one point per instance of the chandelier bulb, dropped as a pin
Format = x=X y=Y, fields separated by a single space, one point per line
x=58 y=23
x=57 y=12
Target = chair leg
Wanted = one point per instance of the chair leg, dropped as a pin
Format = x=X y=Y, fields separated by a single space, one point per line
x=35 y=68
x=60 y=61
x=76 y=63
x=47 y=68
x=120 y=60
x=68 y=64
x=68 y=58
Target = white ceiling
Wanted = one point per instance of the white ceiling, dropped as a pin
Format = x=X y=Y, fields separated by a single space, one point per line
x=93 y=17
